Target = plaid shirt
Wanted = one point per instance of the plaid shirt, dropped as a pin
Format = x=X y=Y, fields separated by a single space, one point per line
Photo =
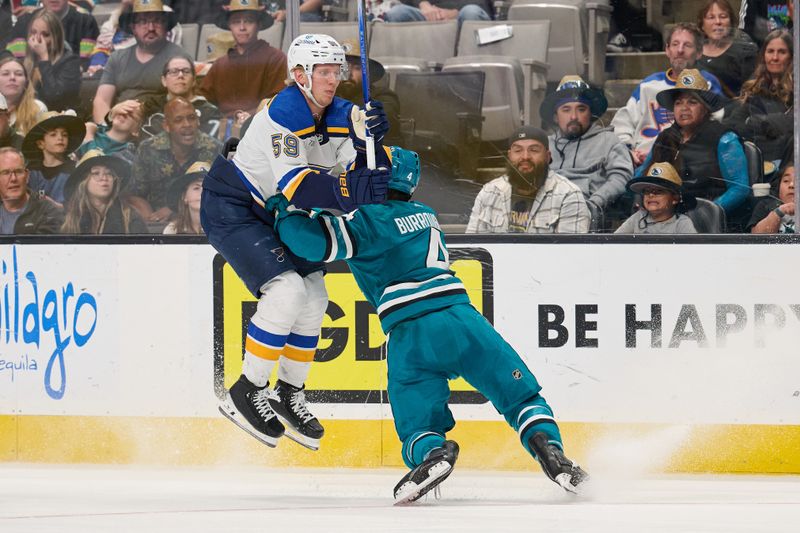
x=559 y=207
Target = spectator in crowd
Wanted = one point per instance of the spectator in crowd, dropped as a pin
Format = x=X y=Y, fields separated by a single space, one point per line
x=80 y=29
x=663 y=203
x=251 y=70
x=775 y=214
x=19 y=94
x=184 y=198
x=351 y=89
x=163 y=158
x=47 y=148
x=757 y=18
x=8 y=136
x=708 y=156
x=530 y=197
x=94 y=205
x=54 y=71
x=118 y=138
x=727 y=53
x=179 y=80
x=433 y=10
x=642 y=119
x=763 y=112
x=115 y=37
x=135 y=72
x=585 y=152
x=310 y=10
x=20 y=211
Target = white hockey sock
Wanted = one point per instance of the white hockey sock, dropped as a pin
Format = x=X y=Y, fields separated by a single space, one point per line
x=302 y=342
x=256 y=369
x=293 y=372
x=282 y=299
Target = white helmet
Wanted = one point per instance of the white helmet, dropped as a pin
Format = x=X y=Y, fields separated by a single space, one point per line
x=312 y=49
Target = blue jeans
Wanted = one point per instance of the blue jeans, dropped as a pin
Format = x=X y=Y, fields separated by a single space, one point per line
x=406 y=13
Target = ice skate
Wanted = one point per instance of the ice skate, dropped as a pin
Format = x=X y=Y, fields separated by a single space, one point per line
x=248 y=406
x=555 y=464
x=428 y=475
x=289 y=403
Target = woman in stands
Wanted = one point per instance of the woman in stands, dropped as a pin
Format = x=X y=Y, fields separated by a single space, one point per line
x=179 y=79
x=775 y=213
x=183 y=197
x=93 y=205
x=727 y=53
x=763 y=112
x=709 y=157
x=54 y=71
x=19 y=93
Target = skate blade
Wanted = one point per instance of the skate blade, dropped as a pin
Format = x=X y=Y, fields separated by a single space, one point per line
x=410 y=492
x=296 y=436
x=232 y=415
x=565 y=481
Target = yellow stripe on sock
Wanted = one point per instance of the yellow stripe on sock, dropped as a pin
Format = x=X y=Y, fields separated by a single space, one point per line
x=297 y=354
x=261 y=351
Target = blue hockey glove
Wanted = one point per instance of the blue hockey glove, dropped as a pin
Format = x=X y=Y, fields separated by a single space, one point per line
x=377 y=121
x=365 y=186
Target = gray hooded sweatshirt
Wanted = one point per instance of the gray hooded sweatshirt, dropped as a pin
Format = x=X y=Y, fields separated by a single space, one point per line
x=597 y=162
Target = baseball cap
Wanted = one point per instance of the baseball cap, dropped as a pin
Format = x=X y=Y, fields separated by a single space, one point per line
x=530 y=132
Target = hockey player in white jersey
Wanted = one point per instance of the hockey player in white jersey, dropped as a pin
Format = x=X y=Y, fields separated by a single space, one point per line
x=309 y=145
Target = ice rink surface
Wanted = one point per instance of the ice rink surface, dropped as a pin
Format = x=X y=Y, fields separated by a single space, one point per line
x=119 y=499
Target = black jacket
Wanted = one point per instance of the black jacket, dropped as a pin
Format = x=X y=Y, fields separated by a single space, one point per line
x=60 y=85
x=41 y=216
x=766 y=121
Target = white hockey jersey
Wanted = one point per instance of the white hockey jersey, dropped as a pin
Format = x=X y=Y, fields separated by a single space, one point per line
x=283 y=145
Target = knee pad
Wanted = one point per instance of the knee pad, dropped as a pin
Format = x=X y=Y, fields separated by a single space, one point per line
x=281 y=302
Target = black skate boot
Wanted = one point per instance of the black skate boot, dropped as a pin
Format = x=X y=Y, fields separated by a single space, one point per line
x=289 y=403
x=556 y=465
x=428 y=475
x=248 y=407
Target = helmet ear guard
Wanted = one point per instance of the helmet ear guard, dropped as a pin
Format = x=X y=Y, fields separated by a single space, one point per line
x=405 y=170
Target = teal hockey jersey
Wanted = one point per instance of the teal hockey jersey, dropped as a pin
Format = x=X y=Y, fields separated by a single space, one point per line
x=395 y=250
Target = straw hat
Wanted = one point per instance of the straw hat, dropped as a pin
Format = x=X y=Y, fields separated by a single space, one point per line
x=119 y=167
x=265 y=20
x=663 y=176
x=148 y=6
x=48 y=121
x=197 y=171
x=691 y=80
x=573 y=89
x=352 y=52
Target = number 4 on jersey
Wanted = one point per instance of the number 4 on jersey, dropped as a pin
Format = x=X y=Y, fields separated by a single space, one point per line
x=438 y=257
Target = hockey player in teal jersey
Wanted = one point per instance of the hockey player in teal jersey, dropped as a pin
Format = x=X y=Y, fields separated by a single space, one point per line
x=397 y=254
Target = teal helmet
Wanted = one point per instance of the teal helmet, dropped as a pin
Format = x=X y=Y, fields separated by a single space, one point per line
x=405 y=170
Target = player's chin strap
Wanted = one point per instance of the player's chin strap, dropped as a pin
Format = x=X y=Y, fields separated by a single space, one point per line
x=307 y=91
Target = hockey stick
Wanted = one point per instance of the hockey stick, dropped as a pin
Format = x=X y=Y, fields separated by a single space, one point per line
x=362 y=38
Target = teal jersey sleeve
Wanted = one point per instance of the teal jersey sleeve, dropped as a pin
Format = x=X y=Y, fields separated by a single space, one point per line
x=396 y=252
